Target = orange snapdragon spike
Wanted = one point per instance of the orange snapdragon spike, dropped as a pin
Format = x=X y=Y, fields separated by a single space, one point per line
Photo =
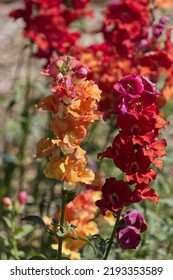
x=73 y=105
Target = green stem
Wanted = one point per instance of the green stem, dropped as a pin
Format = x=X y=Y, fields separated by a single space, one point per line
x=13 y=240
x=112 y=236
x=25 y=117
x=63 y=193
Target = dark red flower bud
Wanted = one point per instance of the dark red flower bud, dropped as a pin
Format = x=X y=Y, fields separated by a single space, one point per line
x=81 y=71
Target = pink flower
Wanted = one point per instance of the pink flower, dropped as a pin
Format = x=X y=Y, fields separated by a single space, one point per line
x=6 y=202
x=23 y=197
x=81 y=71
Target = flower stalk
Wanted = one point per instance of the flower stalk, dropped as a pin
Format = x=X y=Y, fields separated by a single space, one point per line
x=112 y=236
x=63 y=204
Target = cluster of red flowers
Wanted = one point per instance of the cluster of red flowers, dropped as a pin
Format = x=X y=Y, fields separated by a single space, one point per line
x=136 y=146
x=47 y=24
x=73 y=105
x=133 y=43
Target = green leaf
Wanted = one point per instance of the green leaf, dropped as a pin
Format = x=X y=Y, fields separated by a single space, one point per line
x=6 y=221
x=35 y=219
x=23 y=231
x=37 y=258
x=3 y=236
x=70 y=196
x=167 y=201
x=50 y=232
x=63 y=231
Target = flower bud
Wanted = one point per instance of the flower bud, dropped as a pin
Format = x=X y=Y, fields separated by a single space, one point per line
x=6 y=202
x=81 y=71
x=23 y=197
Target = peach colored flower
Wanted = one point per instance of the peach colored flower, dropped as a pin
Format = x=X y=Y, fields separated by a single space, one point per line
x=70 y=168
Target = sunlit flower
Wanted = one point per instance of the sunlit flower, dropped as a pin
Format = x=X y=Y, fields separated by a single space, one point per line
x=70 y=168
x=115 y=195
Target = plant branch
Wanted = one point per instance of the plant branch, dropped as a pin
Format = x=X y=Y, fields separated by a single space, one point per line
x=112 y=236
x=64 y=196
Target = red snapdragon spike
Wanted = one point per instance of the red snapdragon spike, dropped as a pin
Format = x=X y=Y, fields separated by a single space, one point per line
x=136 y=146
x=115 y=195
x=129 y=237
x=135 y=218
x=47 y=24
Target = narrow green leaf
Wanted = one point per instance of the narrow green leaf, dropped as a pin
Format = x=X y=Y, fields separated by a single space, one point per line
x=167 y=201
x=23 y=231
x=6 y=221
x=37 y=258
